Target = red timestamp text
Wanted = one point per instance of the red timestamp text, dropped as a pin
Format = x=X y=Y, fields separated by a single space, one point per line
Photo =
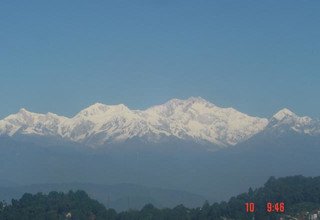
x=250 y=207
x=278 y=207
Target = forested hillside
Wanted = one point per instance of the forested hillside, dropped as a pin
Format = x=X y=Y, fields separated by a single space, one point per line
x=298 y=194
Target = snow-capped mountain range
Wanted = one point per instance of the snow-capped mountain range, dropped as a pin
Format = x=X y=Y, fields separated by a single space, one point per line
x=193 y=119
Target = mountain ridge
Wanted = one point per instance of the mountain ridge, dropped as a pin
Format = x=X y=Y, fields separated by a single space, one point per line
x=192 y=119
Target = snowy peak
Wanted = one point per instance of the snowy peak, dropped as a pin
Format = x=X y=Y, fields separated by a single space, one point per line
x=284 y=113
x=286 y=121
x=180 y=106
x=196 y=118
x=100 y=124
x=99 y=109
x=23 y=111
x=286 y=116
x=25 y=122
x=197 y=101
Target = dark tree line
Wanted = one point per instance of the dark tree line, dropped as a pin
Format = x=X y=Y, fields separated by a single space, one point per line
x=298 y=193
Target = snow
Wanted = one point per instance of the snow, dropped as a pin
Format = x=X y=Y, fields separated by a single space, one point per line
x=198 y=119
x=193 y=118
x=288 y=120
x=284 y=113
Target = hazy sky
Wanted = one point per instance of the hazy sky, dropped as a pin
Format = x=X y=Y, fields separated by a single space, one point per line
x=256 y=56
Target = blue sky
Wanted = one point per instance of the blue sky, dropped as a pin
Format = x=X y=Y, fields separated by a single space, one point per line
x=256 y=56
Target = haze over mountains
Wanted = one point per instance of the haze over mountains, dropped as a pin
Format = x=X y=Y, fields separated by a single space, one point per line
x=187 y=145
